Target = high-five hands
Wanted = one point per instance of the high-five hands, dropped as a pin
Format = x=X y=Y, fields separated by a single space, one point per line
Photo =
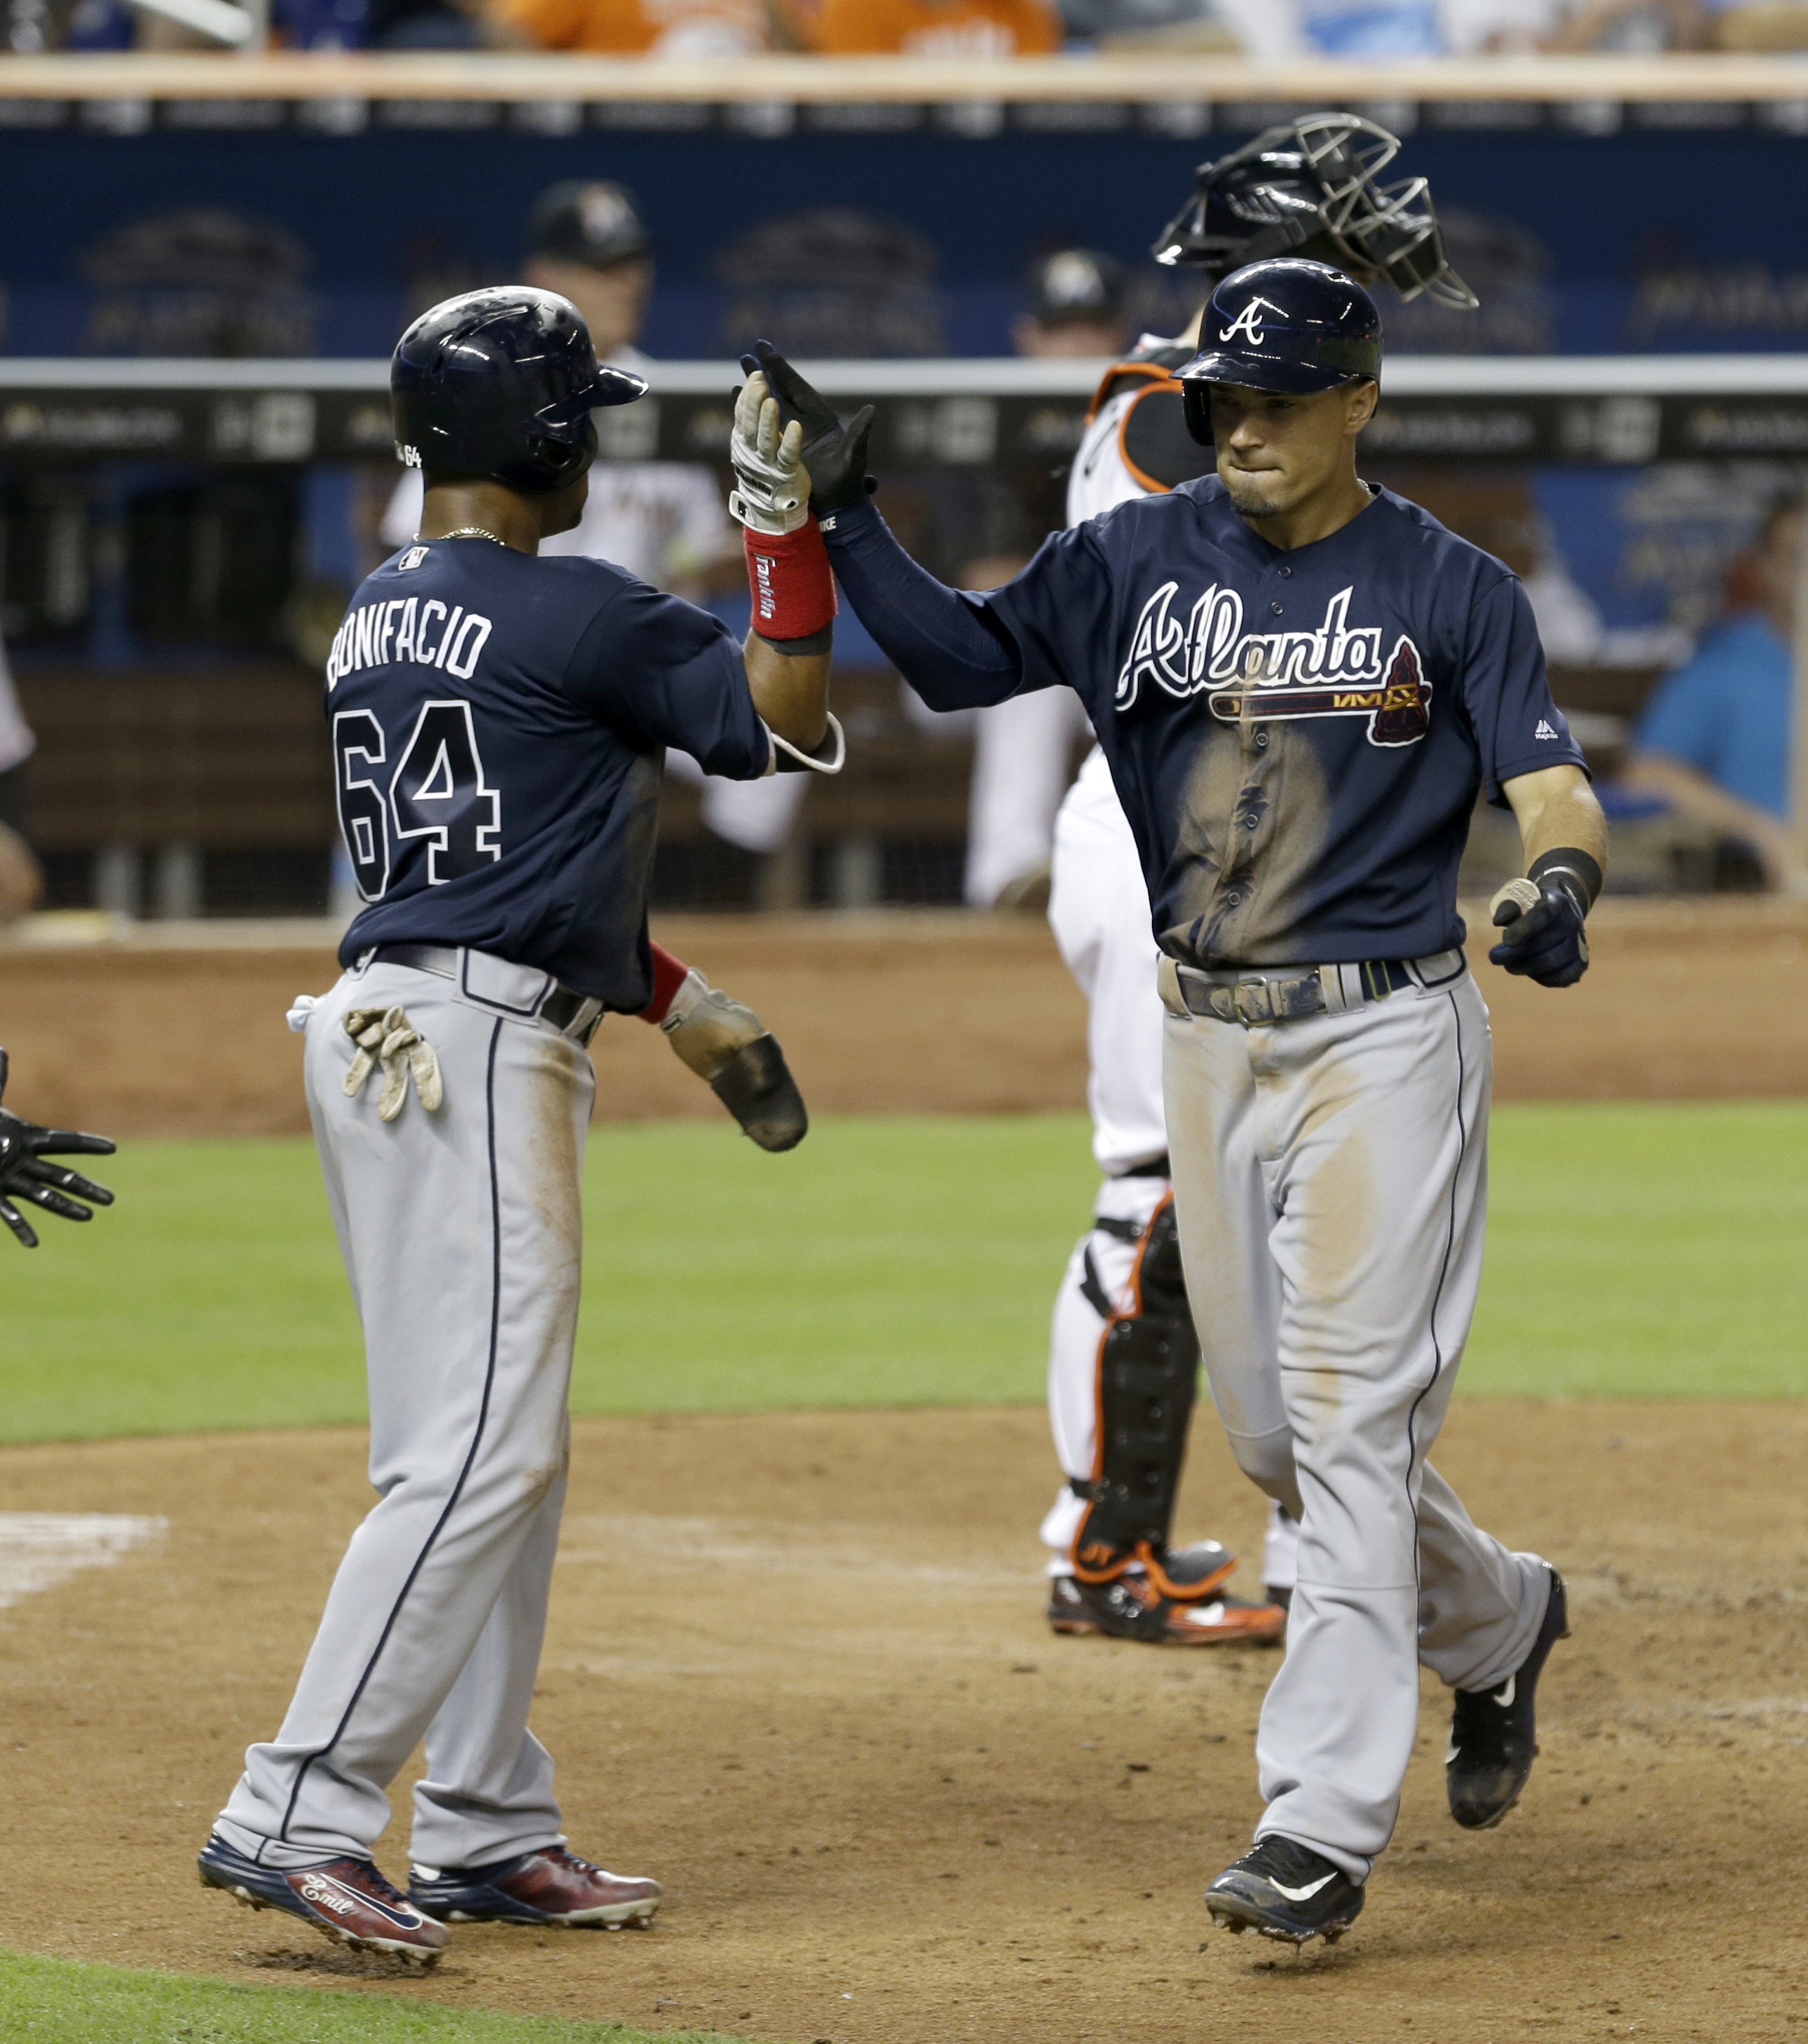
x=24 y=1176
x=774 y=496
x=833 y=449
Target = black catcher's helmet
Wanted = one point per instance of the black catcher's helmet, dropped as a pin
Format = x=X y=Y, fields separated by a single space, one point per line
x=500 y=383
x=1286 y=325
x=1312 y=188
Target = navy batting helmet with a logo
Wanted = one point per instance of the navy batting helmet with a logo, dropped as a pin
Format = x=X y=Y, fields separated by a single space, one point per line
x=1287 y=326
x=500 y=384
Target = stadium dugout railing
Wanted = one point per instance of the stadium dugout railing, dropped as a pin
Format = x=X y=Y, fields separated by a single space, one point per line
x=1616 y=410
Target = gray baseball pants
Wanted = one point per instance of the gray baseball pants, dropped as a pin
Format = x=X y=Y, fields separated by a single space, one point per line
x=460 y=1234
x=1330 y=1183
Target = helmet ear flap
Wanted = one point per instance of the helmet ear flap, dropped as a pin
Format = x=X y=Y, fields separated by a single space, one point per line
x=1196 y=401
x=553 y=463
x=550 y=464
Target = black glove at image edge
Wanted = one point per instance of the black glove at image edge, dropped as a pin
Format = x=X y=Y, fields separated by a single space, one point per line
x=24 y=1177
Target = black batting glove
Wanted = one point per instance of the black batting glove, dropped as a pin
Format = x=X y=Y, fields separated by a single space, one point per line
x=1544 y=939
x=835 y=448
x=24 y=1177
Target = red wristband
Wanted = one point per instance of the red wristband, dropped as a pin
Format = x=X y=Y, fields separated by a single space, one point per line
x=669 y=975
x=793 y=590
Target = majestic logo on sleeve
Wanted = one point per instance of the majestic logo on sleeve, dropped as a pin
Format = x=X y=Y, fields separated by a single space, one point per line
x=1332 y=669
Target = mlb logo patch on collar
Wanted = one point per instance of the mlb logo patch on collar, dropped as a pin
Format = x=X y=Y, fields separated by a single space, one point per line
x=411 y=558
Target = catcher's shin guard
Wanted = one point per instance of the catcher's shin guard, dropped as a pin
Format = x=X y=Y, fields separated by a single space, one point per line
x=1148 y=1376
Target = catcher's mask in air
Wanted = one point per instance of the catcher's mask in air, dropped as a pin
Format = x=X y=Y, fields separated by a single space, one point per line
x=1311 y=187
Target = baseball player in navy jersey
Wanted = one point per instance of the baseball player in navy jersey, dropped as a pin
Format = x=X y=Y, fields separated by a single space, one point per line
x=498 y=722
x=1300 y=683
x=1311 y=186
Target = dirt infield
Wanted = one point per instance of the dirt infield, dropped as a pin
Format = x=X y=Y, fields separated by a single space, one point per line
x=797 y=1669
x=901 y=1013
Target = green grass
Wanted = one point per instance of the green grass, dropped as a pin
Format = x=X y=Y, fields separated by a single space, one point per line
x=50 y=2001
x=1636 y=1250
x=1641 y=1251
x=886 y=1261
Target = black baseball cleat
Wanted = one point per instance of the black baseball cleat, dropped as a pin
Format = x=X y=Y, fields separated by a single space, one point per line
x=1494 y=1733
x=549 y=1886
x=1285 y=1890
x=1133 y=1608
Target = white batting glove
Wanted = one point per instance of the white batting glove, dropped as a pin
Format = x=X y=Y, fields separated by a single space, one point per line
x=773 y=494
x=706 y=1026
x=384 y=1036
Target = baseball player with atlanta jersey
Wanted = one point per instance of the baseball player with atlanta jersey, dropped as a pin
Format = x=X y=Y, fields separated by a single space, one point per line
x=1119 y=1394
x=1300 y=683
x=498 y=725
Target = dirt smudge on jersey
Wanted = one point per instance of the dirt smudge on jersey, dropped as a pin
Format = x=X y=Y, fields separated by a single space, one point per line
x=1249 y=846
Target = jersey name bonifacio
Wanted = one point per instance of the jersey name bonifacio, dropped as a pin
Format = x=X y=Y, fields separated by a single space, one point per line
x=1298 y=738
x=499 y=723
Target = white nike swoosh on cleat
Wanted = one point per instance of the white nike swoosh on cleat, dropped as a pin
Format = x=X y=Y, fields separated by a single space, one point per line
x=1304 y=1894
x=1504 y=1696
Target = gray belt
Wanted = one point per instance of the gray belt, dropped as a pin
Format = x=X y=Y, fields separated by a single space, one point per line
x=573 y=1014
x=1253 y=995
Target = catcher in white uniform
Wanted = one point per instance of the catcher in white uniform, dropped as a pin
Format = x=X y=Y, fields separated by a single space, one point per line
x=1119 y=1424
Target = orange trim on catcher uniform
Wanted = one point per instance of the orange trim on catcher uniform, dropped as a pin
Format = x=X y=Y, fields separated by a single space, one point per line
x=1148 y=481
x=1153 y=370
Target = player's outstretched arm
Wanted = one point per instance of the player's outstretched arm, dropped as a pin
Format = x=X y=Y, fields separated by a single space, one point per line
x=725 y=1043
x=935 y=636
x=25 y=1177
x=1564 y=837
x=787 y=650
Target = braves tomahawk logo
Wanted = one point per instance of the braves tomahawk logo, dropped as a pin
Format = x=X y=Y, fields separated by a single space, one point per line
x=1332 y=669
x=1248 y=323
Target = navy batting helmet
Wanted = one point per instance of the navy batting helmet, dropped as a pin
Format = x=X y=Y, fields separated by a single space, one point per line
x=500 y=383
x=1287 y=325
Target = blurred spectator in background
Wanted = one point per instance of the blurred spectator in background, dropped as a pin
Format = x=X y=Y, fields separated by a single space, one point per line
x=1076 y=306
x=930 y=28
x=1023 y=749
x=648 y=27
x=666 y=521
x=1714 y=737
x=22 y=885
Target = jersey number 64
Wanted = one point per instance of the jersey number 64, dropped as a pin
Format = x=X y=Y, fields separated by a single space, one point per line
x=436 y=796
